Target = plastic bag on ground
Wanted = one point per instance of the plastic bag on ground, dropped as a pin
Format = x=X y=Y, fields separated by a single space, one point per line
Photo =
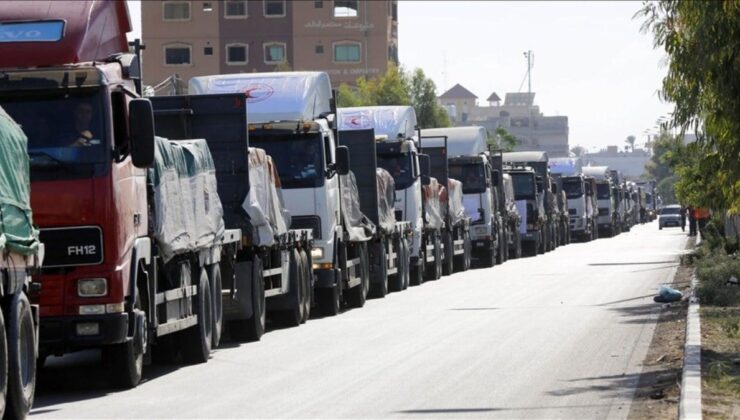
x=17 y=233
x=433 y=213
x=187 y=213
x=263 y=204
x=386 y=193
x=359 y=227
x=668 y=294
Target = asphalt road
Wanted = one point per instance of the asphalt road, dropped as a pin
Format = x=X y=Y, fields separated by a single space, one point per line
x=559 y=335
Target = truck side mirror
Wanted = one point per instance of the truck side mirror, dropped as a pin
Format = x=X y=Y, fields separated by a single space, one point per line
x=495 y=178
x=141 y=129
x=342 y=164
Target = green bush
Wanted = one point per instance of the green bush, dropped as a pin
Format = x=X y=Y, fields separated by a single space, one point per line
x=713 y=271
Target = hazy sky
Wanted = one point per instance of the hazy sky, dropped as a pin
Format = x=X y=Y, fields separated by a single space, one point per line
x=591 y=62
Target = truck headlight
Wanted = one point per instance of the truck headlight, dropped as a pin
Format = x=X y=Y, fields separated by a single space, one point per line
x=317 y=253
x=92 y=287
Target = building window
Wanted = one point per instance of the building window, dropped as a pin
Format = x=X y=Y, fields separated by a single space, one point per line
x=235 y=9
x=207 y=50
x=207 y=7
x=347 y=52
x=274 y=53
x=345 y=8
x=176 y=10
x=318 y=4
x=177 y=55
x=236 y=54
x=274 y=8
x=319 y=49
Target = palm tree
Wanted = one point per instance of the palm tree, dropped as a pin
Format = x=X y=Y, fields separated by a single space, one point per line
x=631 y=141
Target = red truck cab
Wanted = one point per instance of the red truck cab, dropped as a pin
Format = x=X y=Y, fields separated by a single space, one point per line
x=67 y=78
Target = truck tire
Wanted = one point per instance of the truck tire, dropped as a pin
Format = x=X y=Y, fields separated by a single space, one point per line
x=357 y=295
x=396 y=281
x=329 y=300
x=293 y=316
x=541 y=242
x=3 y=365
x=307 y=285
x=196 y=340
x=214 y=276
x=126 y=364
x=448 y=267
x=21 y=358
x=379 y=285
x=488 y=259
x=405 y=263
x=417 y=270
x=252 y=328
x=435 y=271
x=499 y=252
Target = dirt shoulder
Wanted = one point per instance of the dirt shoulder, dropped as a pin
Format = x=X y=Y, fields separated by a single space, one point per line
x=720 y=362
x=659 y=389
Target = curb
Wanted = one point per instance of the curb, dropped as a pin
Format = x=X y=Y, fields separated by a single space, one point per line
x=690 y=404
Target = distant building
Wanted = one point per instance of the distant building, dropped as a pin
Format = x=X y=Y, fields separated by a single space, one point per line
x=518 y=115
x=631 y=164
x=345 y=38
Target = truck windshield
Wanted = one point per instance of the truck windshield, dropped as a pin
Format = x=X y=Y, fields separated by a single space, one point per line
x=573 y=187
x=603 y=191
x=473 y=177
x=524 y=186
x=298 y=157
x=66 y=131
x=399 y=166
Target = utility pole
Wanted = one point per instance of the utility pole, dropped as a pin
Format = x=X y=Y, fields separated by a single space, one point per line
x=530 y=62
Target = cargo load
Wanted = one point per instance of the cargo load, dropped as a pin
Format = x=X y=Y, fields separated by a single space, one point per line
x=432 y=210
x=264 y=204
x=187 y=212
x=293 y=96
x=455 y=201
x=359 y=227
x=17 y=233
x=386 y=200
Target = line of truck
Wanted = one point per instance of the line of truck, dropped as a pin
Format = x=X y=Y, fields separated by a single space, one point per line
x=167 y=223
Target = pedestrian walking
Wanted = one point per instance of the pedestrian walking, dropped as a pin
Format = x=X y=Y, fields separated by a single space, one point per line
x=683 y=219
x=702 y=217
x=692 y=222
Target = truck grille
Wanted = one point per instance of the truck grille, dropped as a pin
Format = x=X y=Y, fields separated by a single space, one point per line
x=307 y=222
x=72 y=246
x=572 y=212
x=603 y=212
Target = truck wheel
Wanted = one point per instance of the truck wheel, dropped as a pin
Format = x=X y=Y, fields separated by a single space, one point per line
x=21 y=345
x=448 y=267
x=307 y=285
x=499 y=252
x=214 y=276
x=252 y=328
x=417 y=271
x=329 y=299
x=518 y=246
x=196 y=340
x=357 y=295
x=433 y=272
x=124 y=360
x=405 y=263
x=292 y=317
x=380 y=280
x=540 y=243
x=396 y=281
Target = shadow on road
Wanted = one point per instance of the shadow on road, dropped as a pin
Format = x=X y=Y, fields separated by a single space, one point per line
x=625 y=386
x=648 y=313
x=454 y=411
x=634 y=263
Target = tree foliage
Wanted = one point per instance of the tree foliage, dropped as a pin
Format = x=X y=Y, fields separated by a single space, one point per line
x=506 y=140
x=630 y=140
x=397 y=87
x=578 y=150
x=702 y=41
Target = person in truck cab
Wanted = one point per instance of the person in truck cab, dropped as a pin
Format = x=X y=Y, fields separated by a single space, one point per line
x=83 y=114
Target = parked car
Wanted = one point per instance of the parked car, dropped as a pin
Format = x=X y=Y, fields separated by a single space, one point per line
x=670 y=216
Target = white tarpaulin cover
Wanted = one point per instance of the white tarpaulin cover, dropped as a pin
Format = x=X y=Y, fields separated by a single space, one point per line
x=390 y=121
x=289 y=96
x=386 y=194
x=187 y=210
x=461 y=141
x=264 y=203
x=454 y=203
x=566 y=166
x=433 y=213
x=359 y=227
